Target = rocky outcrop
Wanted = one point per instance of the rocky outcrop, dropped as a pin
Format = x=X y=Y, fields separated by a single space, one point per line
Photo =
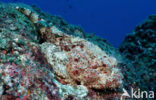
x=139 y=52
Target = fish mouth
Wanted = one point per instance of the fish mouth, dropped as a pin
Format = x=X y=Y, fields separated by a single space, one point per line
x=107 y=90
x=107 y=93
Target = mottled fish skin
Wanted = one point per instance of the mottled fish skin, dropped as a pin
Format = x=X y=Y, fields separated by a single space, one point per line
x=69 y=45
x=42 y=62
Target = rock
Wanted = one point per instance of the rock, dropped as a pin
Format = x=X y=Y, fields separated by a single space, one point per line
x=139 y=52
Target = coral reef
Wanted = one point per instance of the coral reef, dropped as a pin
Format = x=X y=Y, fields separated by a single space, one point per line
x=42 y=57
x=45 y=59
x=139 y=49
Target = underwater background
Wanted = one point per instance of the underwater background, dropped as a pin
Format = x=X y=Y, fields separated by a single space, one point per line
x=79 y=50
x=110 y=19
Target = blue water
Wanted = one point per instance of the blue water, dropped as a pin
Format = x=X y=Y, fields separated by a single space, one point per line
x=110 y=19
